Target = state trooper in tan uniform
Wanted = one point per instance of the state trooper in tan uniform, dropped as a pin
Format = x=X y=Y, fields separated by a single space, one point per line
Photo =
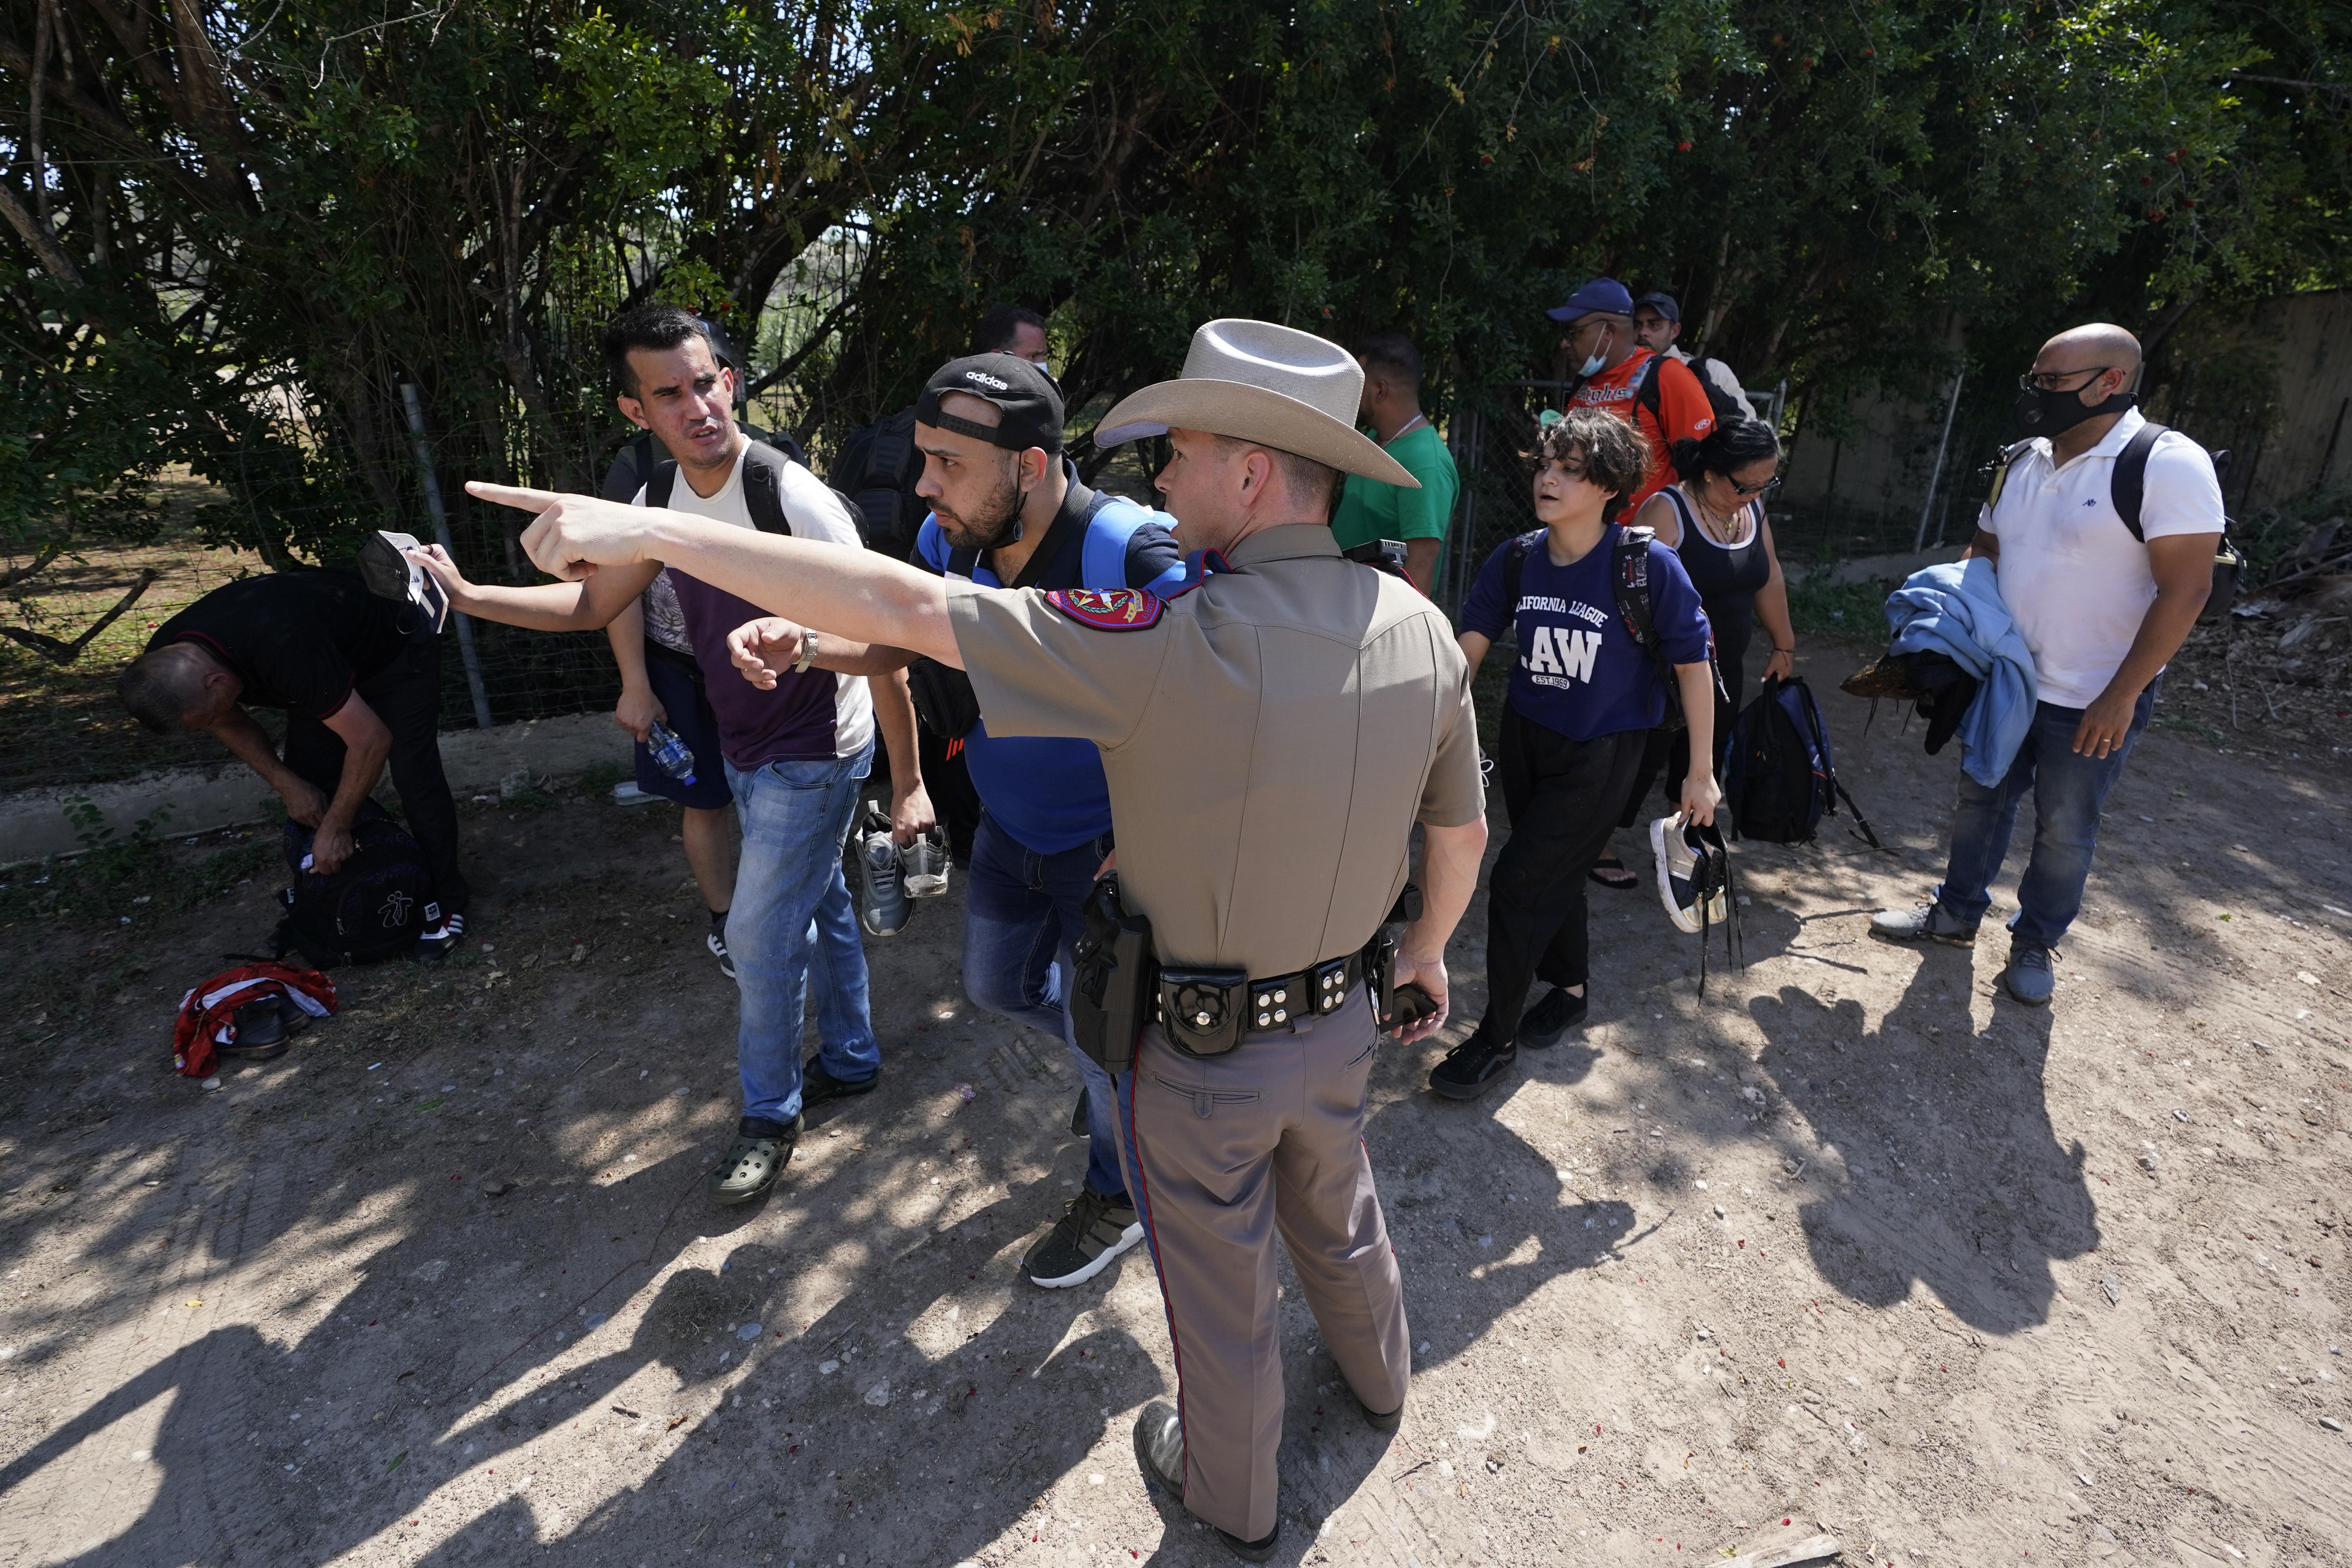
x=1271 y=735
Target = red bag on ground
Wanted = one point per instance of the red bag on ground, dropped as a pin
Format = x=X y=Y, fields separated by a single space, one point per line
x=208 y=1014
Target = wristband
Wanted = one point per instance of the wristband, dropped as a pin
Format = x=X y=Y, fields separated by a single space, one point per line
x=808 y=653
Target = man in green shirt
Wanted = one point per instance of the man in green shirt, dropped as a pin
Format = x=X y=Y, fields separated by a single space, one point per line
x=1370 y=510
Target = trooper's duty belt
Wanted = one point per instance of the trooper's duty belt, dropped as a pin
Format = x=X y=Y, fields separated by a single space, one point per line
x=1119 y=986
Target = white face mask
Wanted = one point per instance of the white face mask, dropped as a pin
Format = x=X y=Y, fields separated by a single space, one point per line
x=1592 y=366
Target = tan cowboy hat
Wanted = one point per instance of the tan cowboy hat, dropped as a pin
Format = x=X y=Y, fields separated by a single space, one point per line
x=1276 y=386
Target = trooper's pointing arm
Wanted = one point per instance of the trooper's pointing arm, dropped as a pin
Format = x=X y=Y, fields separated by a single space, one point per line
x=836 y=588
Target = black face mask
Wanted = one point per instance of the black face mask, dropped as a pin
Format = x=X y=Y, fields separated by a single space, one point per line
x=2044 y=413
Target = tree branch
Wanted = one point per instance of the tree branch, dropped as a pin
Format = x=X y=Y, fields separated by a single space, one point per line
x=60 y=652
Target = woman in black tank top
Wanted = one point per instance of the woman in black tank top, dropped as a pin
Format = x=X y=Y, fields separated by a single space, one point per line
x=1714 y=518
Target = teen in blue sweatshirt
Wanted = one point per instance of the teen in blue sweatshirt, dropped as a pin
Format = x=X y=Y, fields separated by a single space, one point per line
x=1583 y=697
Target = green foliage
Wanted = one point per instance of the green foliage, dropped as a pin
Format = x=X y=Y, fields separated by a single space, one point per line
x=255 y=245
x=107 y=861
x=1819 y=608
x=598 y=779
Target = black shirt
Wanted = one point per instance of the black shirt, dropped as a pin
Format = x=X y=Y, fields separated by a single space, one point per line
x=298 y=640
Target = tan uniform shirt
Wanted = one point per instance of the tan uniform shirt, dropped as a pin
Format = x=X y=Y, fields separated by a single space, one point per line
x=1270 y=738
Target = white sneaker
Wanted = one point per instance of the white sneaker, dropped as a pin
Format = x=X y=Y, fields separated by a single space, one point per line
x=925 y=862
x=1678 y=879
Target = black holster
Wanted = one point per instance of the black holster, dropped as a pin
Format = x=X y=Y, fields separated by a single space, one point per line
x=1115 y=990
x=1380 y=956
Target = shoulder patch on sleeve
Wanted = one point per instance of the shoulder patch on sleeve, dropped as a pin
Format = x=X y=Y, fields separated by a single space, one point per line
x=1109 y=609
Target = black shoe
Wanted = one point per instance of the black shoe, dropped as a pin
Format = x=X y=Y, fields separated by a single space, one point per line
x=1379 y=1423
x=717 y=943
x=817 y=1086
x=1542 y=1024
x=1471 y=1067
x=1159 y=1452
x=441 y=937
x=258 y=1032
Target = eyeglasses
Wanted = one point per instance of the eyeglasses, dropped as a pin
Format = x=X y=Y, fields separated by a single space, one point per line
x=1740 y=490
x=2048 y=379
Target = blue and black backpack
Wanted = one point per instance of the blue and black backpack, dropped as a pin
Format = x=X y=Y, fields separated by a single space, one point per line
x=1780 y=780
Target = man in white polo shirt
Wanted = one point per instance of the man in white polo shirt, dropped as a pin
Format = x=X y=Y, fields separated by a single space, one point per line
x=2102 y=612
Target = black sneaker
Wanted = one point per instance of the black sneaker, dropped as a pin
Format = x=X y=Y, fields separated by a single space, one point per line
x=257 y=1031
x=1471 y=1067
x=717 y=943
x=817 y=1086
x=441 y=936
x=1543 y=1023
x=1091 y=1232
x=1159 y=1454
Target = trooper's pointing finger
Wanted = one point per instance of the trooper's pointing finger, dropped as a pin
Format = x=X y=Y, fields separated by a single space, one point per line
x=512 y=495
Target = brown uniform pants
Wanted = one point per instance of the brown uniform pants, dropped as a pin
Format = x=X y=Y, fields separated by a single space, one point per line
x=1222 y=1151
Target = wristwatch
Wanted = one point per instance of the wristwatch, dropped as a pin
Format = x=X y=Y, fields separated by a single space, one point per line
x=808 y=653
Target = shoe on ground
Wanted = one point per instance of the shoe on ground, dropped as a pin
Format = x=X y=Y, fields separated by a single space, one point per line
x=1159 y=1454
x=259 y=1031
x=1091 y=1232
x=2029 y=976
x=753 y=1163
x=1929 y=922
x=925 y=863
x=441 y=936
x=817 y=1086
x=1543 y=1023
x=1471 y=1067
x=1377 y=1422
x=717 y=943
x=882 y=905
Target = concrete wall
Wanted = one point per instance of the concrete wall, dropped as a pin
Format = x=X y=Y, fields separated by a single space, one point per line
x=33 y=821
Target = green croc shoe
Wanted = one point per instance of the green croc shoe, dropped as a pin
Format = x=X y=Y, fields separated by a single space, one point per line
x=752 y=1164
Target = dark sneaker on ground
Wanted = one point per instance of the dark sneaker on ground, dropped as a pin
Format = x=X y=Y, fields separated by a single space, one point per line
x=1543 y=1023
x=1928 y=923
x=717 y=943
x=2029 y=976
x=441 y=935
x=1091 y=1232
x=753 y=1162
x=1159 y=1454
x=1471 y=1067
x=261 y=1030
x=817 y=1086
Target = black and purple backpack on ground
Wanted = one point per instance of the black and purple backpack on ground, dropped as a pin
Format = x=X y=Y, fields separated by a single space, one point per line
x=1780 y=780
x=372 y=907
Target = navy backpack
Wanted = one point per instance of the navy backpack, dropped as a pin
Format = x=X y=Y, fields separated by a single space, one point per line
x=1780 y=780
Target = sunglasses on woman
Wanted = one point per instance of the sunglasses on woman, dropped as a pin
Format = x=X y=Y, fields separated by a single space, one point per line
x=1744 y=491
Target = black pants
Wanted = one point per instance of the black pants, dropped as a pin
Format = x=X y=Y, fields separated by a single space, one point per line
x=406 y=694
x=1563 y=796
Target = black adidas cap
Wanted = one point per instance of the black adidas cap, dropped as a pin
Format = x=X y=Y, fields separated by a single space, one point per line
x=1028 y=403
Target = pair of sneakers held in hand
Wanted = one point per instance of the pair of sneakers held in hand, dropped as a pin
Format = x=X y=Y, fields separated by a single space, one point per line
x=890 y=875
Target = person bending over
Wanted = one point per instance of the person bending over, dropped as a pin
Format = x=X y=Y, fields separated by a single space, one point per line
x=360 y=686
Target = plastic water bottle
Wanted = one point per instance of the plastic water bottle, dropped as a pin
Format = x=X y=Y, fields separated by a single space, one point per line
x=670 y=754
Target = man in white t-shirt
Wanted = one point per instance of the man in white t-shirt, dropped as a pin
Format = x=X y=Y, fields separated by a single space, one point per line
x=2102 y=613
x=795 y=755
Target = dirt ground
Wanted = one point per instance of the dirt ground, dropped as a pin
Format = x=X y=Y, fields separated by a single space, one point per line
x=1850 y=1244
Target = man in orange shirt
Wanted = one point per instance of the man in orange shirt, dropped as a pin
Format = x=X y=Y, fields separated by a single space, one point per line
x=1611 y=370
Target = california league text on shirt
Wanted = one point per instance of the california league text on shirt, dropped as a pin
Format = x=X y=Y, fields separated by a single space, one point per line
x=1580 y=671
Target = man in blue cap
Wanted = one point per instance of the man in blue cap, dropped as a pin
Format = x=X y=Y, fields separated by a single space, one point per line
x=1608 y=368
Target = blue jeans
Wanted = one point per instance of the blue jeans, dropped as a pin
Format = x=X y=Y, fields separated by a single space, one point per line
x=2068 y=791
x=792 y=920
x=1022 y=912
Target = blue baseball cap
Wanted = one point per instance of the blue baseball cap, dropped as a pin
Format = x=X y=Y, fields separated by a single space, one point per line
x=1601 y=297
x=1664 y=304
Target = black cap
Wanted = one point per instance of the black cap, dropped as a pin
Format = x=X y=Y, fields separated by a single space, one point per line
x=1028 y=403
x=1664 y=304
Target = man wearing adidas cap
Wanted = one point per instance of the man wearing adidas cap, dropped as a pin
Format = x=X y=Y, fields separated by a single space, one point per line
x=1270 y=736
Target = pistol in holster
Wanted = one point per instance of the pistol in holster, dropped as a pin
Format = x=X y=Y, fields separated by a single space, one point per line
x=1115 y=990
x=1380 y=958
